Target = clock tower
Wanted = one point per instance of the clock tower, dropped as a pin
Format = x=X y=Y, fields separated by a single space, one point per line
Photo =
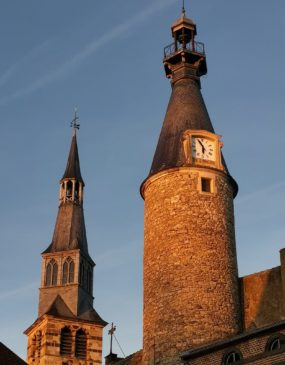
x=191 y=291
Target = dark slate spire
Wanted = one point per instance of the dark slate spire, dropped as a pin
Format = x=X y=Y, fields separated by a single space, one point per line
x=184 y=63
x=70 y=232
x=72 y=170
x=186 y=110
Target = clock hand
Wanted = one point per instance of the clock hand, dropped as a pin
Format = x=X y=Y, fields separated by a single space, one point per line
x=203 y=148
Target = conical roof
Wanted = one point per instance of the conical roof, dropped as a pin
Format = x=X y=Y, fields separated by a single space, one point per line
x=186 y=110
x=72 y=170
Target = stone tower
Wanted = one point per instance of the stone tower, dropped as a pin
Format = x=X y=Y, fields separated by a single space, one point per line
x=68 y=330
x=191 y=293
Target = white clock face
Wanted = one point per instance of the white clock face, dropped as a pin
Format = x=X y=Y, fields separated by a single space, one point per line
x=203 y=148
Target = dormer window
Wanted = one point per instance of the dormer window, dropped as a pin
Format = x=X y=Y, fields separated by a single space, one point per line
x=232 y=357
x=275 y=342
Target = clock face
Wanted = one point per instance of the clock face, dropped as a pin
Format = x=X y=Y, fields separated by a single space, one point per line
x=203 y=148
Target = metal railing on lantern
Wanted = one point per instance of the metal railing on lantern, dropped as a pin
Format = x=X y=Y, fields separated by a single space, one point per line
x=196 y=47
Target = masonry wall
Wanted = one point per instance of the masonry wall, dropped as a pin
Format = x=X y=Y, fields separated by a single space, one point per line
x=44 y=343
x=262 y=298
x=191 y=294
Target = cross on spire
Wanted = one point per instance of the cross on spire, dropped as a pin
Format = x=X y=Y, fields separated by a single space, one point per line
x=75 y=122
x=111 y=333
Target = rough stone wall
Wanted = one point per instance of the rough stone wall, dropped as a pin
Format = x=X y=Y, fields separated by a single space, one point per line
x=46 y=349
x=191 y=294
x=262 y=298
x=253 y=351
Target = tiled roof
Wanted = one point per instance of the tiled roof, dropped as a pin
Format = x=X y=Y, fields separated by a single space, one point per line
x=8 y=357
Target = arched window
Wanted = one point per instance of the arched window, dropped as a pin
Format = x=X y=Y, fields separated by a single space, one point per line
x=71 y=272
x=275 y=342
x=65 y=341
x=68 y=271
x=69 y=189
x=54 y=274
x=51 y=273
x=48 y=274
x=80 y=344
x=76 y=191
x=232 y=357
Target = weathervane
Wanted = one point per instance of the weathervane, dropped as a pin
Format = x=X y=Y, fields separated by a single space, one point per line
x=183 y=8
x=111 y=333
x=75 y=122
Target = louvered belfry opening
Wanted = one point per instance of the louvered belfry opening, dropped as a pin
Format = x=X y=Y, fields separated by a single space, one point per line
x=65 y=341
x=80 y=344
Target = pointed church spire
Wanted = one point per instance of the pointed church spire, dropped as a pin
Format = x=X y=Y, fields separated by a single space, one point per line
x=66 y=315
x=69 y=232
x=72 y=170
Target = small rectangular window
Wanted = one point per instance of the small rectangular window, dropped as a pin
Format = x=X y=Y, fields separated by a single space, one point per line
x=206 y=185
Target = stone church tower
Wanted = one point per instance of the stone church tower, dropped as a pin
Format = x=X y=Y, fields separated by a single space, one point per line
x=191 y=292
x=68 y=330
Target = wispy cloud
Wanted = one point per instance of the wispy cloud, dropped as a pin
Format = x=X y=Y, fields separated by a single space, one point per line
x=66 y=67
x=12 y=293
x=12 y=70
x=263 y=192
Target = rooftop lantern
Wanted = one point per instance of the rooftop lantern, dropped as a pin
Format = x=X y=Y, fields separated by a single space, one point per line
x=185 y=51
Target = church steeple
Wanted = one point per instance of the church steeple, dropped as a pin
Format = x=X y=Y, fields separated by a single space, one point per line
x=69 y=232
x=72 y=170
x=67 y=323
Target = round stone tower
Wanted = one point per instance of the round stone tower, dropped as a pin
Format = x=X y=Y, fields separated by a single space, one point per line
x=191 y=294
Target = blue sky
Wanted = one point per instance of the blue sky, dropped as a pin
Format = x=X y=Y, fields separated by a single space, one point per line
x=105 y=58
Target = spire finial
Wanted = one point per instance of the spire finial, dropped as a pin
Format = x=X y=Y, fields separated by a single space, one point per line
x=183 y=9
x=111 y=333
x=75 y=122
